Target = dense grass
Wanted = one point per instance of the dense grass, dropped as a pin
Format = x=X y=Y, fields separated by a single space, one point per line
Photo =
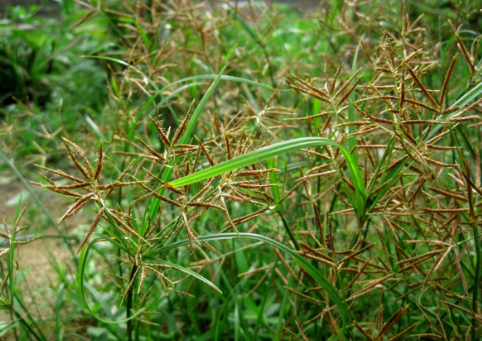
x=251 y=173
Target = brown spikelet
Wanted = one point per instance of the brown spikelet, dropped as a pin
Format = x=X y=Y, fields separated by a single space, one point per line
x=47 y=179
x=88 y=16
x=437 y=264
x=119 y=184
x=76 y=207
x=255 y=271
x=142 y=278
x=303 y=296
x=205 y=204
x=165 y=185
x=311 y=93
x=228 y=146
x=399 y=336
x=250 y=216
x=450 y=110
x=443 y=93
x=228 y=217
x=347 y=83
x=91 y=230
x=319 y=259
x=476 y=317
x=448 y=193
x=470 y=107
x=364 y=291
x=99 y=165
x=422 y=105
x=81 y=153
x=191 y=235
x=183 y=125
x=333 y=83
x=285 y=264
x=162 y=135
x=308 y=85
x=126 y=227
x=67 y=187
x=362 y=331
x=352 y=88
x=464 y=51
x=131 y=283
x=392 y=321
x=206 y=153
x=478 y=171
x=402 y=91
x=151 y=150
x=256 y=172
x=158 y=196
x=59 y=190
x=417 y=258
x=82 y=169
x=125 y=171
x=422 y=87
x=444 y=210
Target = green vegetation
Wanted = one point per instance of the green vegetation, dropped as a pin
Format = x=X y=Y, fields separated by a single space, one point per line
x=244 y=172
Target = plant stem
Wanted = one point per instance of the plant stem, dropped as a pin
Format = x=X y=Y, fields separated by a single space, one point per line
x=287 y=228
x=24 y=323
x=130 y=295
x=476 y=285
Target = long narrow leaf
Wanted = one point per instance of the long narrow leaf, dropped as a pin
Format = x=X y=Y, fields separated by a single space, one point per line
x=189 y=272
x=166 y=176
x=195 y=116
x=269 y=152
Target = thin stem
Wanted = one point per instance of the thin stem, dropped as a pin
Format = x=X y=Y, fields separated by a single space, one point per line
x=476 y=285
x=30 y=331
x=23 y=320
x=288 y=230
x=130 y=296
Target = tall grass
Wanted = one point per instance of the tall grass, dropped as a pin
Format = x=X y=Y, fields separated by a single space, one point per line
x=265 y=175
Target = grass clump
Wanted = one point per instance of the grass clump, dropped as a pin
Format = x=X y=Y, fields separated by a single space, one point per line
x=264 y=175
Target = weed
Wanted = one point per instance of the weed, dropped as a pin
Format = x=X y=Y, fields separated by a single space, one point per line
x=267 y=176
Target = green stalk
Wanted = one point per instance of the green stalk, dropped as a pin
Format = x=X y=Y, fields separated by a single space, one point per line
x=130 y=296
x=273 y=180
x=476 y=285
x=23 y=322
x=288 y=230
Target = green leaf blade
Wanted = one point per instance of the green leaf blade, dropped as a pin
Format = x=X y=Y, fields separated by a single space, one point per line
x=253 y=157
